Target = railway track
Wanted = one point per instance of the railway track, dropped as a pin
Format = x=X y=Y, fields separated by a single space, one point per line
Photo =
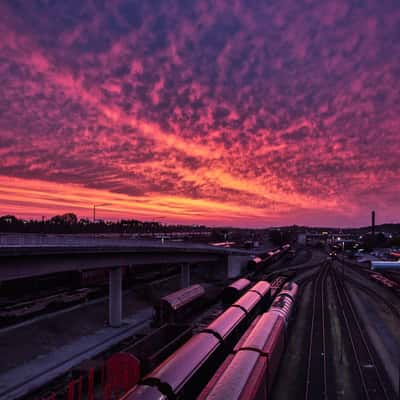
x=316 y=385
x=373 y=380
x=15 y=313
x=374 y=293
x=387 y=279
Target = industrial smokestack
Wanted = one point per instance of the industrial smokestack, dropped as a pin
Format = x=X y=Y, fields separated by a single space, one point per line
x=373 y=223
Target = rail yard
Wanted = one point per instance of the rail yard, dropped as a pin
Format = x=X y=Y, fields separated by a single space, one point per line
x=329 y=319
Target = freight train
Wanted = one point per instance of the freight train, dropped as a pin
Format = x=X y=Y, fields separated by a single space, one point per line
x=186 y=371
x=257 y=262
x=250 y=371
x=249 y=367
x=177 y=306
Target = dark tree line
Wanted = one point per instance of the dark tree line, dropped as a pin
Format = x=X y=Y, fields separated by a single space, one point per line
x=69 y=223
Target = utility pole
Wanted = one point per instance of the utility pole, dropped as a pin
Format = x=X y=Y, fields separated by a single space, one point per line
x=343 y=262
x=94 y=209
x=341 y=334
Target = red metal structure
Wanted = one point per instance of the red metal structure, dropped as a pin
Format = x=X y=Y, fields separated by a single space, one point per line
x=122 y=372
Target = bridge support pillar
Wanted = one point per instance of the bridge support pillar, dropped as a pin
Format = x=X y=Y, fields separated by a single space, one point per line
x=115 y=297
x=185 y=275
x=235 y=265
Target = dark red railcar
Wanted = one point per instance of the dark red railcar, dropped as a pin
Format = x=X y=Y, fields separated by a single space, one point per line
x=250 y=372
x=158 y=345
x=227 y=361
x=256 y=263
x=176 y=306
x=285 y=247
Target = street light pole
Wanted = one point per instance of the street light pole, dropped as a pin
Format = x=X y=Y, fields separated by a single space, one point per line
x=94 y=209
x=343 y=262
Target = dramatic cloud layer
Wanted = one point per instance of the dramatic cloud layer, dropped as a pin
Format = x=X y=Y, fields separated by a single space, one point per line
x=229 y=112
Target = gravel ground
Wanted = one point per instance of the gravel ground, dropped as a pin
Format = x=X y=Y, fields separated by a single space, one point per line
x=383 y=329
x=338 y=354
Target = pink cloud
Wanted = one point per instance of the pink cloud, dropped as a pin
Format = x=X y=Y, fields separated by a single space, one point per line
x=264 y=115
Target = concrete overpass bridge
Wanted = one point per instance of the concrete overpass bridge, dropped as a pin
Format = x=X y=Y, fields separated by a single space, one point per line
x=23 y=256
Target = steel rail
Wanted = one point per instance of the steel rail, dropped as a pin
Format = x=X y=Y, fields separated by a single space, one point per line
x=375 y=293
x=372 y=382
x=315 y=386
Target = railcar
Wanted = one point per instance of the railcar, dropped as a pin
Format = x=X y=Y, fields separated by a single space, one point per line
x=158 y=345
x=232 y=292
x=258 y=263
x=250 y=372
x=285 y=248
x=226 y=363
x=255 y=263
x=262 y=289
x=185 y=372
x=176 y=306
x=284 y=302
x=277 y=284
x=274 y=253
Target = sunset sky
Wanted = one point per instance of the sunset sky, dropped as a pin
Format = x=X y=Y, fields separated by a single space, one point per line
x=245 y=113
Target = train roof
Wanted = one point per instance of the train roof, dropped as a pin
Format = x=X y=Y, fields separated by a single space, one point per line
x=261 y=287
x=248 y=301
x=236 y=377
x=227 y=321
x=290 y=288
x=178 y=368
x=240 y=284
x=260 y=336
x=183 y=296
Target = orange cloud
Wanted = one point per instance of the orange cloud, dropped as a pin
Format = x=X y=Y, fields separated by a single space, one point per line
x=202 y=115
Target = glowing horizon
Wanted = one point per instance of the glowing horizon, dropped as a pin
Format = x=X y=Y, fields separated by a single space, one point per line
x=232 y=114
